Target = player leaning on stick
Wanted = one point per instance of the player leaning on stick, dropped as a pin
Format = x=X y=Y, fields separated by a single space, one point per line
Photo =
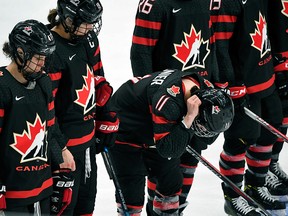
x=26 y=122
x=160 y=114
x=79 y=86
x=245 y=63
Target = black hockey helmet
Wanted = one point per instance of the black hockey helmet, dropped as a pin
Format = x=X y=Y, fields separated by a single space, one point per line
x=216 y=113
x=80 y=11
x=33 y=37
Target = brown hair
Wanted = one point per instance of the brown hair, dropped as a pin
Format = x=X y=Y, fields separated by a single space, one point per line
x=53 y=18
x=7 y=50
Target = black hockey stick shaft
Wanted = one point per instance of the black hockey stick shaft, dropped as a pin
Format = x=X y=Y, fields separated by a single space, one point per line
x=226 y=180
x=112 y=175
x=265 y=124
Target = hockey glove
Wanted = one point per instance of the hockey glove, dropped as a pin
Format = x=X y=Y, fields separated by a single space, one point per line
x=281 y=82
x=63 y=182
x=2 y=196
x=106 y=129
x=240 y=97
x=103 y=91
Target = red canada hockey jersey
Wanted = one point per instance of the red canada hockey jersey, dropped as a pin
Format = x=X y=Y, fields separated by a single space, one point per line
x=72 y=73
x=25 y=116
x=243 y=47
x=173 y=34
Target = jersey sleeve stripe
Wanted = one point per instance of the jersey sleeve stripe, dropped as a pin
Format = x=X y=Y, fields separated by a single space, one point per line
x=224 y=19
x=51 y=122
x=144 y=41
x=1 y=113
x=161 y=102
x=97 y=66
x=51 y=106
x=159 y=120
x=55 y=76
x=148 y=24
x=223 y=35
x=97 y=51
x=160 y=136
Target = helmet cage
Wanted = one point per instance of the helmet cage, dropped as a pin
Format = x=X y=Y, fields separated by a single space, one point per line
x=200 y=130
x=216 y=113
x=80 y=11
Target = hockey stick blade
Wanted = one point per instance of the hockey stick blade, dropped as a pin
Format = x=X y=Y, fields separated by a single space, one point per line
x=112 y=175
x=226 y=180
x=265 y=124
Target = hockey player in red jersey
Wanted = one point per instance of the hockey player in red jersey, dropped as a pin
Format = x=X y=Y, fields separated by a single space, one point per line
x=160 y=114
x=79 y=85
x=169 y=34
x=277 y=179
x=245 y=65
x=26 y=119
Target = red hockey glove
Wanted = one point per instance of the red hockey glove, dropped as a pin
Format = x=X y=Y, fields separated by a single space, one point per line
x=2 y=196
x=63 y=182
x=106 y=129
x=103 y=91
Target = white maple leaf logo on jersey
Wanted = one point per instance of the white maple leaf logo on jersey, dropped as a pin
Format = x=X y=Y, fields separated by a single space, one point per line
x=31 y=144
x=285 y=7
x=260 y=37
x=193 y=51
x=86 y=95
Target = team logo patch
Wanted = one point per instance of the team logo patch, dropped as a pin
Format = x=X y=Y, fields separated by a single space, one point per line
x=215 y=109
x=31 y=144
x=285 y=7
x=174 y=90
x=86 y=95
x=28 y=30
x=193 y=51
x=260 y=37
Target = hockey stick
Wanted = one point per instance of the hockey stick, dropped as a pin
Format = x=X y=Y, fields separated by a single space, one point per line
x=265 y=124
x=112 y=175
x=226 y=180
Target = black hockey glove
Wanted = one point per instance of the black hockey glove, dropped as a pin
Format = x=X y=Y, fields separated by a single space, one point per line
x=2 y=196
x=63 y=182
x=281 y=82
x=106 y=129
